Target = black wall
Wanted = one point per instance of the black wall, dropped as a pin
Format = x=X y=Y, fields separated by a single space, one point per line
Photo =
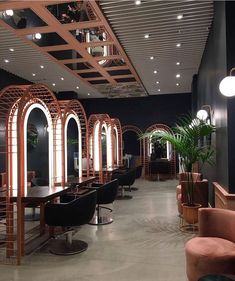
x=7 y=79
x=142 y=112
x=217 y=60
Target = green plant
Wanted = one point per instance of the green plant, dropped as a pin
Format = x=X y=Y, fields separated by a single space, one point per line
x=187 y=139
x=72 y=141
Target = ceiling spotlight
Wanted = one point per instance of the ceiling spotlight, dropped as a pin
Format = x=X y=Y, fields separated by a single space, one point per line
x=9 y=13
x=6 y=60
x=177 y=84
x=77 y=87
x=33 y=74
x=41 y=66
x=155 y=71
x=157 y=82
x=178 y=63
x=178 y=45
x=88 y=94
x=152 y=57
x=53 y=84
x=179 y=17
x=11 y=49
x=37 y=36
x=138 y=2
x=159 y=90
x=177 y=75
x=62 y=78
x=146 y=36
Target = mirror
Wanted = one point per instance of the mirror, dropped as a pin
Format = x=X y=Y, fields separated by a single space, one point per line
x=104 y=147
x=115 y=149
x=37 y=144
x=72 y=148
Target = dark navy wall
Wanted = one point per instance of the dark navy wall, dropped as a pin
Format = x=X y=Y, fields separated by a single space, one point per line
x=7 y=79
x=142 y=112
x=211 y=71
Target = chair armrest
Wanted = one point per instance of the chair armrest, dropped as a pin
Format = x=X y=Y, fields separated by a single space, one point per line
x=215 y=222
x=96 y=184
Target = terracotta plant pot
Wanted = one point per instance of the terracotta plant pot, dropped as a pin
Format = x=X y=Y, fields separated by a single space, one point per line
x=190 y=213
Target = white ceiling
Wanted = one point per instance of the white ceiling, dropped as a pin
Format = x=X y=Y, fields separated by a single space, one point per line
x=159 y=19
x=130 y=23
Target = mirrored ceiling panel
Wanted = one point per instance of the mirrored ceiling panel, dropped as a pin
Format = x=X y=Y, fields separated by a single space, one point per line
x=47 y=39
x=23 y=18
x=65 y=54
x=70 y=12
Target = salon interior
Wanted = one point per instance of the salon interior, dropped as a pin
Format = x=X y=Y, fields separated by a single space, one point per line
x=117 y=141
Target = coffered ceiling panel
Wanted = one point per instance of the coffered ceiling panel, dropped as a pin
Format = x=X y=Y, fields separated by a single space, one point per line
x=98 y=48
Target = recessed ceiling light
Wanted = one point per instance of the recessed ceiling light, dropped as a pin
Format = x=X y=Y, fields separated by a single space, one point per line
x=178 y=63
x=77 y=87
x=177 y=75
x=179 y=17
x=157 y=82
x=41 y=66
x=88 y=94
x=155 y=71
x=177 y=84
x=146 y=36
x=178 y=45
x=9 y=13
x=11 y=49
x=152 y=57
x=62 y=78
x=138 y=2
x=53 y=84
x=6 y=60
x=159 y=90
x=37 y=36
x=33 y=74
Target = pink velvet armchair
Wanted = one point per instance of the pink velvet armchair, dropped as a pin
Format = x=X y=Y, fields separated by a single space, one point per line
x=213 y=252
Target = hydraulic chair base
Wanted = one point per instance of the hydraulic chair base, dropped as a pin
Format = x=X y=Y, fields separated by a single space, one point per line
x=68 y=246
x=98 y=219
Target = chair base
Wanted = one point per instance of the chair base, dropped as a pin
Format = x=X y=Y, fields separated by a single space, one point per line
x=124 y=197
x=102 y=220
x=63 y=248
x=132 y=188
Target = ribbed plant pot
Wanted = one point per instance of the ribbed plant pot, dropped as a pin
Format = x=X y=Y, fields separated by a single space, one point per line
x=190 y=213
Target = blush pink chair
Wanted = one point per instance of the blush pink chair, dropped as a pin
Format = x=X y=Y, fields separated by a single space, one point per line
x=213 y=252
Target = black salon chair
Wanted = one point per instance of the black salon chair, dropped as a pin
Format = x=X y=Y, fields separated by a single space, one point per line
x=106 y=194
x=139 y=171
x=67 y=215
x=125 y=179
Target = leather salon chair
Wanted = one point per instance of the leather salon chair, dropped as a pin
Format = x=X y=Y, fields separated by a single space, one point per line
x=69 y=215
x=106 y=194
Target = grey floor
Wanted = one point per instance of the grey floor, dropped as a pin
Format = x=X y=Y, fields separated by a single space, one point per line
x=143 y=243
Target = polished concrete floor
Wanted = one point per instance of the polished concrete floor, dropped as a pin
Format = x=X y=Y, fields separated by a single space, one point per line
x=143 y=243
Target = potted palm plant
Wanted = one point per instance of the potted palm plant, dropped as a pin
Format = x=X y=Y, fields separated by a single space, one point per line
x=188 y=139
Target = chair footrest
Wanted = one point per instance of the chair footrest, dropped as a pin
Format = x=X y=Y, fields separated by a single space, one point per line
x=102 y=220
x=63 y=248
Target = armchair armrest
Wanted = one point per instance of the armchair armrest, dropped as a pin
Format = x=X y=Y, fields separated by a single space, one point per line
x=215 y=222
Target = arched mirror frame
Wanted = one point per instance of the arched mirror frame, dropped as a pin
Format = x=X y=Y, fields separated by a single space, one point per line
x=75 y=108
x=139 y=133
x=16 y=103
x=95 y=124
x=172 y=159
x=117 y=130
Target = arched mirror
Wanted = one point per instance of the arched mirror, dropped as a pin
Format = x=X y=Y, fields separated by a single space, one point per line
x=72 y=148
x=104 y=146
x=159 y=156
x=37 y=145
x=115 y=147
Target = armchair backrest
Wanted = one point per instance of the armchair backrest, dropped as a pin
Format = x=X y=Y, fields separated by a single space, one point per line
x=215 y=222
x=107 y=193
x=194 y=176
x=200 y=189
x=77 y=212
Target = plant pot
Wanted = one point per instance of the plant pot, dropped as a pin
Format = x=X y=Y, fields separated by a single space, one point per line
x=190 y=213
